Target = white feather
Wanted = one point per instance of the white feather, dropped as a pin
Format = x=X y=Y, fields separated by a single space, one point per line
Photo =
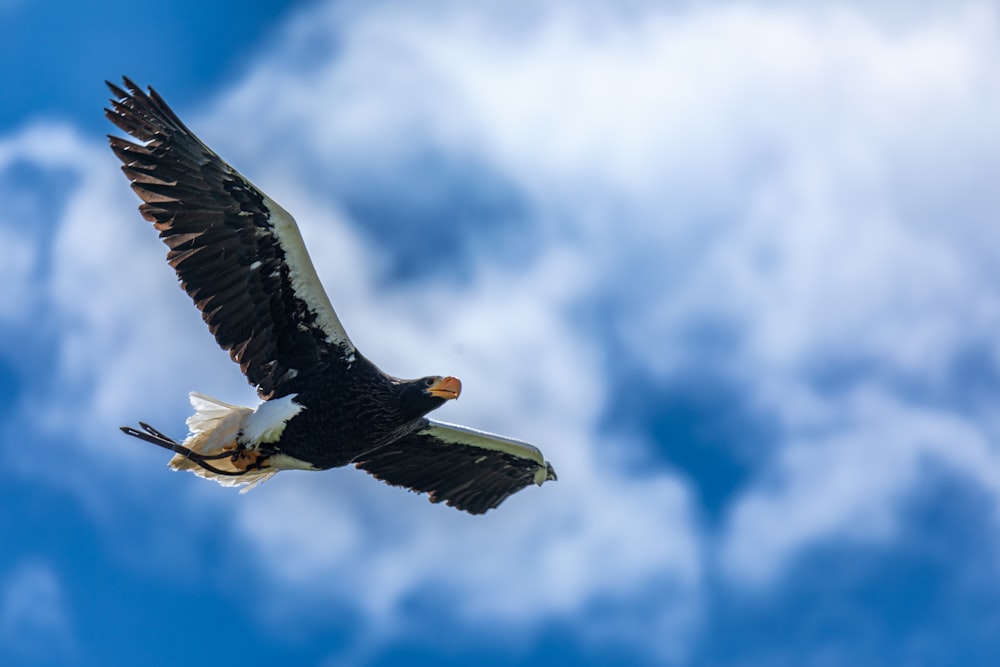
x=302 y=273
x=268 y=421
x=216 y=426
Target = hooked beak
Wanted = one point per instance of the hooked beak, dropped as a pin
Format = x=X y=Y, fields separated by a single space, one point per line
x=446 y=388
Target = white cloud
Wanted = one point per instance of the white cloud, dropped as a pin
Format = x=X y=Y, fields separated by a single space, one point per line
x=757 y=166
x=794 y=175
x=43 y=147
x=17 y=261
x=847 y=479
x=34 y=622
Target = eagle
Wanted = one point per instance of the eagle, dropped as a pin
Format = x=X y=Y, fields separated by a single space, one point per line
x=241 y=259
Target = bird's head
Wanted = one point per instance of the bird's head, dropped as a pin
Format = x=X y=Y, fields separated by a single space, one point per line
x=418 y=397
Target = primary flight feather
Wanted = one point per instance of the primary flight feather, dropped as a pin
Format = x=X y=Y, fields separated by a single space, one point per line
x=241 y=259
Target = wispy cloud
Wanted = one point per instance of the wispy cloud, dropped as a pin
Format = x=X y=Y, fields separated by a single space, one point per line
x=847 y=478
x=813 y=183
x=34 y=621
x=764 y=169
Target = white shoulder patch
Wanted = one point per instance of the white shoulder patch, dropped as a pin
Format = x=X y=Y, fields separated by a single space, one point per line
x=305 y=282
x=268 y=421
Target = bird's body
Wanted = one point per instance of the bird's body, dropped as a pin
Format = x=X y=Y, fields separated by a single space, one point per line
x=348 y=406
x=242 y=260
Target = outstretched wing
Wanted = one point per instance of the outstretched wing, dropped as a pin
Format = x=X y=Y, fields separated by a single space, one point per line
x=468 y=469
x=236 y=253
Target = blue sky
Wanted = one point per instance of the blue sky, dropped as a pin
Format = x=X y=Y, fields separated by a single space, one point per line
x=731 y=265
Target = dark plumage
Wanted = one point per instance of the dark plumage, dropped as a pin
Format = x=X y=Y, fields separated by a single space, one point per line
x=241 y=259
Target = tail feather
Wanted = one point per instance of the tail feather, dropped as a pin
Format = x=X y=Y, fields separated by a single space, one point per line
x=212 y=450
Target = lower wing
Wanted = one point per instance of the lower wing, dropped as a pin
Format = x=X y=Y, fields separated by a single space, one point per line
x=465 y=468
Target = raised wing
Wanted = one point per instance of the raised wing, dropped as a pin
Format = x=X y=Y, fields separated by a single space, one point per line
x=236 y=253
x=468 y=469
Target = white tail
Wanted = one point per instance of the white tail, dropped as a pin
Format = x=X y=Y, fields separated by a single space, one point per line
x=215 y=427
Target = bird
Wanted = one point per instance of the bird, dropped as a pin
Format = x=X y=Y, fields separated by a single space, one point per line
x=241 y=259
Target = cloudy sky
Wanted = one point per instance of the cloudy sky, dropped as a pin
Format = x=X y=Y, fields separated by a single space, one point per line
x=734 y=266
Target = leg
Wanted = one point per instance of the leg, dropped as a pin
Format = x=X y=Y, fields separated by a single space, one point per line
x=152 y=436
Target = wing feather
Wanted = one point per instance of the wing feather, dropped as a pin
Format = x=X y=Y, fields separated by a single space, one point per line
x=237 y=254
x=465 y=468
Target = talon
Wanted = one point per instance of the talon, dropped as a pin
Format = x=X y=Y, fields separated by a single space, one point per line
x=258 y=464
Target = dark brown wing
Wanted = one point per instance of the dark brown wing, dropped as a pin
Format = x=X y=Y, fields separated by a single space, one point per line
x=468 y=469
x=237 y=254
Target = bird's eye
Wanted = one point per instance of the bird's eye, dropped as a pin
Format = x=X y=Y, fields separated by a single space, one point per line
x=429 y=381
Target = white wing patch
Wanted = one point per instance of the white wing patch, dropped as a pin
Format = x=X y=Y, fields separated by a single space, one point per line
x=305 y=282
x=463 y=435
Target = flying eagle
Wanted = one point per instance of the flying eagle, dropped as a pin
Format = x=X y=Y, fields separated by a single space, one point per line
x=241 y=259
